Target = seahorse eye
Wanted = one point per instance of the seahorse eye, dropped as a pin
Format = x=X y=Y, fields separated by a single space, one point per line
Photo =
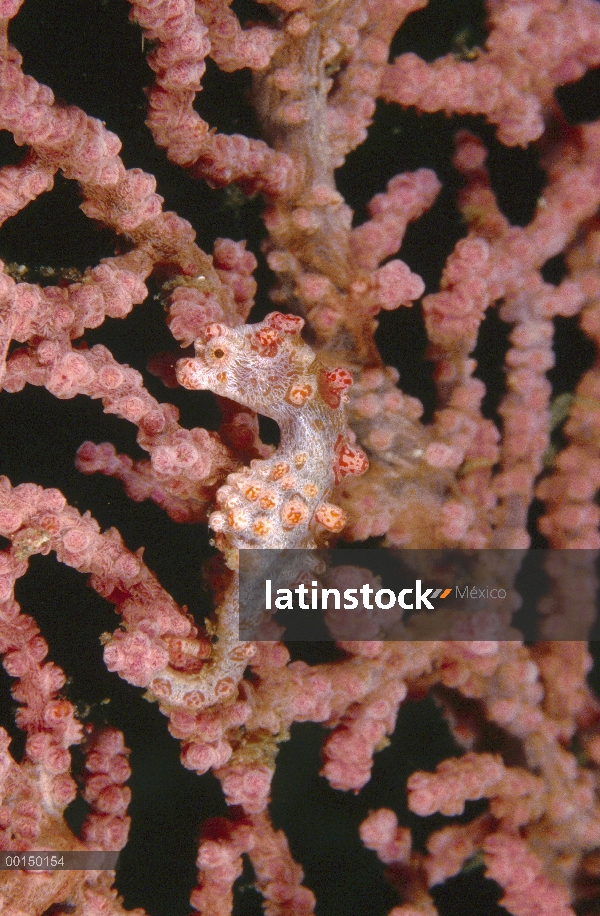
x=218 y=353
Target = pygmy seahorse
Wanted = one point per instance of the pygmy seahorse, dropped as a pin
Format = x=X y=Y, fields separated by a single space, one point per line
x=280 y=502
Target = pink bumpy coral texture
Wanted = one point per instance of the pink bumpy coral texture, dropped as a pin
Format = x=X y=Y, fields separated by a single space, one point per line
x=356 y=458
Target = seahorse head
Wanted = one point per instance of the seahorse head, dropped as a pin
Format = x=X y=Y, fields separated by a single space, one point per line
x=254 y=365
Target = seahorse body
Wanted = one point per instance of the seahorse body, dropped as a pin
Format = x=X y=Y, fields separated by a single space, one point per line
x=280 y=502
x=277 y=503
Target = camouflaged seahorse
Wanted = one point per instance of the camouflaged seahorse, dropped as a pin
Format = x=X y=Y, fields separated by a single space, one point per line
x=281 y=502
